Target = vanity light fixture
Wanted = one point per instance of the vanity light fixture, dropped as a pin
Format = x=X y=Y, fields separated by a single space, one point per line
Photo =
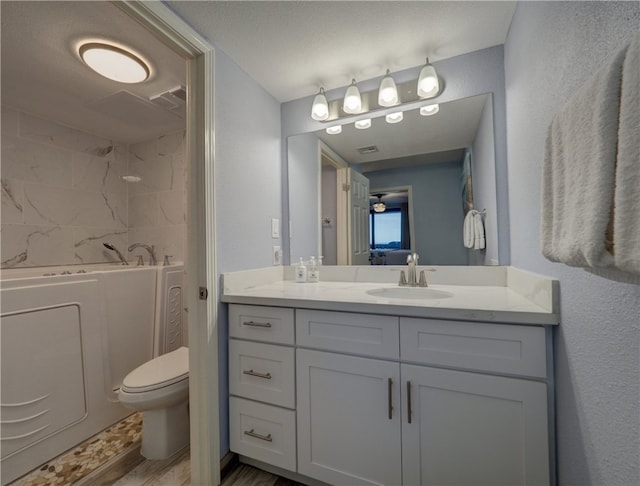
x=379 y=206
x=429 y=110
x=396 y=117
x=428 y=84
x=363 y=124
x=335 y=130
x=114 y=63
x=320 y=107
x=388 y=92
x=352 y=100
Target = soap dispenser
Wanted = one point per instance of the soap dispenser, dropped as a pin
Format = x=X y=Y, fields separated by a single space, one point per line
x=313 y=274
x=301 y=272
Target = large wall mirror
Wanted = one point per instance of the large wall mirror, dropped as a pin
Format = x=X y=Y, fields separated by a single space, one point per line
x=370 y=196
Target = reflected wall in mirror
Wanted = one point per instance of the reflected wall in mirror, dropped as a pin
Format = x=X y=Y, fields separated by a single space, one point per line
x=415 y=168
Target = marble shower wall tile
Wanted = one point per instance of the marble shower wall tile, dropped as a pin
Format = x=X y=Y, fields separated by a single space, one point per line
x=157 y=204
x=62 y=193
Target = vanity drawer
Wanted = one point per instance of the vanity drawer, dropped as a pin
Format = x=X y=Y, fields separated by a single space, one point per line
x=263 y=432
x=269 y=324
x=263 y=372
x=509 y=349
x=364 y=334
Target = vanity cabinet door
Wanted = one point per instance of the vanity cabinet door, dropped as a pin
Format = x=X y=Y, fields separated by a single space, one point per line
x=348 y=419
x=461 y=428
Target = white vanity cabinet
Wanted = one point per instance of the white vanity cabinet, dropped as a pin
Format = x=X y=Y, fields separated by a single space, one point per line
x=413 y=401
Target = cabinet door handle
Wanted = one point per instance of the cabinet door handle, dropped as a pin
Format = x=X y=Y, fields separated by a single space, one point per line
x=390 y=388
x=256 y=324
x=408 y=401
x=251 y=433
x=266 y=376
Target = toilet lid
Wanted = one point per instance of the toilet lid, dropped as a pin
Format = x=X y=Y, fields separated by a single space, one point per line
x=161 y=371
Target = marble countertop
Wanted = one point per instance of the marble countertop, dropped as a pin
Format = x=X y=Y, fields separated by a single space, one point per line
x=488 y=303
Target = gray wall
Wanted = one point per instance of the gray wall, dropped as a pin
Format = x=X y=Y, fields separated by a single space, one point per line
x=466 y=75
x=551 y=49
x=437 y=209
x=247 y=189
x=484 y=187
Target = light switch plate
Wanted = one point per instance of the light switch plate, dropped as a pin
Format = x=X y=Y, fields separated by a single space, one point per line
x=275 y=228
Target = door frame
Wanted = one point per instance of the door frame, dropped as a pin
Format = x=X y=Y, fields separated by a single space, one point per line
x=201 y=261
x=342 y=204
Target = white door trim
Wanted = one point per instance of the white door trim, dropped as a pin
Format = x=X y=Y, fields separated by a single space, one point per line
x=201 y=262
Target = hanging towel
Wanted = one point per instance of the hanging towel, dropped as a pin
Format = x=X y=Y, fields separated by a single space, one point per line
x=626 y=223
x=579 y=171
x=473 y=230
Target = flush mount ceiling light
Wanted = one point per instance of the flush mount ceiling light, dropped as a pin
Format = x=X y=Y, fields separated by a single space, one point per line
x=362 y=124
x=334 y=130
x=429 y=110
x=114 y=62
x=352 y=100
x=396 y=117
x=379 y=206
x=320 y=107
x=428 y=84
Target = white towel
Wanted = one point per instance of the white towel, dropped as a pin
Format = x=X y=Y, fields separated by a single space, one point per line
x=626 y=223
x=473 y=230
x=578 y=172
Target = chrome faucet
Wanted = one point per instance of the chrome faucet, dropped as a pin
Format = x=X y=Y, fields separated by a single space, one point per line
x=109 y=246
x=151 y=249
x=411 y=278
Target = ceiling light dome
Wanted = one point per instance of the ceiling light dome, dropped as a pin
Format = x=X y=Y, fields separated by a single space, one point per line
x=320 y=107
x=352 y=100
x=396 y=117
x=335 y=130
x=428 y=84
x=114 y=62
x=363 y=124
x=429 y=109
x=379 y=206
x=388 y=93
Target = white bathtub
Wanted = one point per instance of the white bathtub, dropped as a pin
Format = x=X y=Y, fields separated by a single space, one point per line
x=67 y=342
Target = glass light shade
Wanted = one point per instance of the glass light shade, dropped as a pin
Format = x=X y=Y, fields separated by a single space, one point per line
x=429 y=109
x=114 y=63
x=396 y=117
x=352 y=100
x=334 y=130
x=320 y=107
x=379 y=207
x=362 y=124
x=428 y=84
x=388 y=92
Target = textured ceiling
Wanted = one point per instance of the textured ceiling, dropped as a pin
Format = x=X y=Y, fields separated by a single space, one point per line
x=291 y=48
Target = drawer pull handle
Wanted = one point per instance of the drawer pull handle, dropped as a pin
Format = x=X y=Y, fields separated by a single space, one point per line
x=251 y=433
x=256 y=324
x=390 y=388
x=408 y=401
x=266 y=376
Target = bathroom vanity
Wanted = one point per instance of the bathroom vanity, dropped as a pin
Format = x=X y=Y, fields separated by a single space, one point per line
x=349 y=381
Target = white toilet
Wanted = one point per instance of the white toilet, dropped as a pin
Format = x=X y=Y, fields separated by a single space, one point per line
x=159 y=388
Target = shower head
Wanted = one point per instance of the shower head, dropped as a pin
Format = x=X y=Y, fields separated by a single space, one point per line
x=113 y=248
x=109 y=246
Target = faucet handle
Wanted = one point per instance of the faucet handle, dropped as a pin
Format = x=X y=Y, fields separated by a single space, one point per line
x=403 y=279
x=166 y=260
x=140 y=261
x=423 y=279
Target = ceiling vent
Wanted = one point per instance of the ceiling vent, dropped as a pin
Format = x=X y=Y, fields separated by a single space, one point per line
x=172 y=99
x=371 y=149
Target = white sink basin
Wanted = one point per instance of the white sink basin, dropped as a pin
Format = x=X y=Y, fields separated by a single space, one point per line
x=409 y=293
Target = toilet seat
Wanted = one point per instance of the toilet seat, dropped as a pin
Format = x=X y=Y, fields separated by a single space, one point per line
x=160 y=372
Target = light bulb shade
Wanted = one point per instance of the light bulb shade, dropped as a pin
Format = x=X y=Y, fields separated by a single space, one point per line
x=114 y=62
x=379 y=206
x=396 y=117
x=363 y=124
x=388 y=92
x=334 y=130
x=429 y=110
x=320 y=107
x=428 y=84
x=352 y=100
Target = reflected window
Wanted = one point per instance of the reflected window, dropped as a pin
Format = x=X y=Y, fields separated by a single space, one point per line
x=385 y=230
